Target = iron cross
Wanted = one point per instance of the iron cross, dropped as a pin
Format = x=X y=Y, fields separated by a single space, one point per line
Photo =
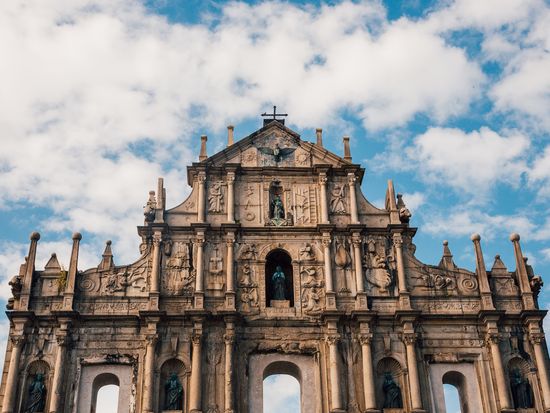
x=274 y=114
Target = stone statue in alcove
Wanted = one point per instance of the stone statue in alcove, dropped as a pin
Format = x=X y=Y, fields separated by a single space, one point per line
x=521 y=390
x=37 y=395
x=278 y=284
x=392 y=393
x=277 y=208
x=173 y=393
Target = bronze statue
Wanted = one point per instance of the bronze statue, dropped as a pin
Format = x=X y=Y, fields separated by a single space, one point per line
x=37 y=395
x=277 y=208
x=173 y=396
x=392 y=393
x=521 y=391
x=278 y=280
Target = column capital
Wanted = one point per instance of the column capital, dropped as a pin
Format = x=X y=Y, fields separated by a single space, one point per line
x=199 y=239
x=356 y=239
x=17 y=340
x=230 y=177
x=536 y=338
x=492 y=338
x=229 y=339
x=332 y=339
x=201 y=177
x=365 y=339
x=409 y=338
x=326 y=241
x=397 y=239
x=151 y=339
x=352 y=178
x=196 y=339
x=323 y=178
x=157 y=238
x=230 y=239
x=62 y=340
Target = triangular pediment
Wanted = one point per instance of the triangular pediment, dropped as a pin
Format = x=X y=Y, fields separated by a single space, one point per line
x=275 y=145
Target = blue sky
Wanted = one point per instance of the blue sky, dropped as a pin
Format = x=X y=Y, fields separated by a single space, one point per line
x=451 y=99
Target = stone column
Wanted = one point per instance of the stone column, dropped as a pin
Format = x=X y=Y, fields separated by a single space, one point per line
x=230 y=197
x=404 y=299
x=414 y=383
x=352 y=198
x=493 y=340
x=230 y=277
x=195 y=393
x=361 y=298
x=229 y=339
x=11 y=381
x=330 y=295
x=199 y=280
x=149 y=375
x=155 y=273
x=536 y=341
x=336 y=394
x=369 y=390
x=71 y=274
x=57 y=381
x=29 y=271
x=201 y=179
x=324 y=203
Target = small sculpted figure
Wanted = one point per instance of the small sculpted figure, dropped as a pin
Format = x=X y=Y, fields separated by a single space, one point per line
x=337 y=204
x=277 y=208
x=37 y=395
x=173 y=393
x=521 y=391
x=278 y=282
x=392 y=393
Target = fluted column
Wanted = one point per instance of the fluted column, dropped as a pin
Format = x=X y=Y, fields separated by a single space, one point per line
x=199 y=277
x=11 y=381
x=230 y=276
x=369 y=390
x=201 y=179
x=404 y=299
x=230 y=197
x=149 y=376
x=353 y=198
x=330 y=295
x=195 y=394
x=57 y=381
x=542 y=369
x=324 y=202
x=412 y=367
x=336 y=394
x=229 y=339
x=155 y=272
x=493 y=340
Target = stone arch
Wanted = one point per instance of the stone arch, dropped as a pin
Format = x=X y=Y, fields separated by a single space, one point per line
x=457 y=380
x=102 y=380
x=279 y=257
x=517 y=366
x=299 y=366
x=95 y=376
x=170 y=366
x=392 y=366
x=33 y=369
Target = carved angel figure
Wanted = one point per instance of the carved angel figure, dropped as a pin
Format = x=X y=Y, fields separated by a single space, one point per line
x=277 y=153
x=215 y=198
x=337 y=204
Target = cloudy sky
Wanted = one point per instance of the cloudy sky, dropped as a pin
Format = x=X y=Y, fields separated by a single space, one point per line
x=451 y=99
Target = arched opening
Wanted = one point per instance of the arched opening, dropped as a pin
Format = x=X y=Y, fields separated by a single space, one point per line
x=36 y=386
x=282 y=388
x=172 y=385
x=454 y=390
x=390 y=389
x=105 y=394
x=279 y=283
x=520 y=387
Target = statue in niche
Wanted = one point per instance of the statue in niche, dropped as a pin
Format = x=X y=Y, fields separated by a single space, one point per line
x=277 y=214
x=278 y=284
x=149 y=208
x=215 y=198
x=337 y=203
x=173 y=393
x=37 y=395
x=277 y=208
x=521 y=390
x=392 y=393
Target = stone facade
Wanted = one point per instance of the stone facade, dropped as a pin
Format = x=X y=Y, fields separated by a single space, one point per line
x=360 y=322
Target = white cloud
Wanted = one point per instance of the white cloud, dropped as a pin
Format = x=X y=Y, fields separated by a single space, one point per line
x=414 y=200
x=469 y=162
x=281 y=394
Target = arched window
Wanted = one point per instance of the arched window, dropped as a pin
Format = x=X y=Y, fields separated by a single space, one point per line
x=454 y=388
x=281 y=388
x=279 y=288
x=105 y=391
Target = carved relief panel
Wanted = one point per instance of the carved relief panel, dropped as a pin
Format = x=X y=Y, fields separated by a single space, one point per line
x=379 y=261
x=178 y=274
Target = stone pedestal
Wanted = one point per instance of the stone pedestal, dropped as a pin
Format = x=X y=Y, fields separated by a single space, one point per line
x=279 y=303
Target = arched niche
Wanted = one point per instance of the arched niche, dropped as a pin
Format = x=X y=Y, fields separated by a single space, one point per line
x=274 y=259
x=458 y=381
x=100 y=382
x=390 y=367
x=166 y=388
x=521 y=387
x=35 y=369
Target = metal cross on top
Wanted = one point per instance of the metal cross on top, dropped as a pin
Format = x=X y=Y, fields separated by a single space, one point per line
x=274 y=116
